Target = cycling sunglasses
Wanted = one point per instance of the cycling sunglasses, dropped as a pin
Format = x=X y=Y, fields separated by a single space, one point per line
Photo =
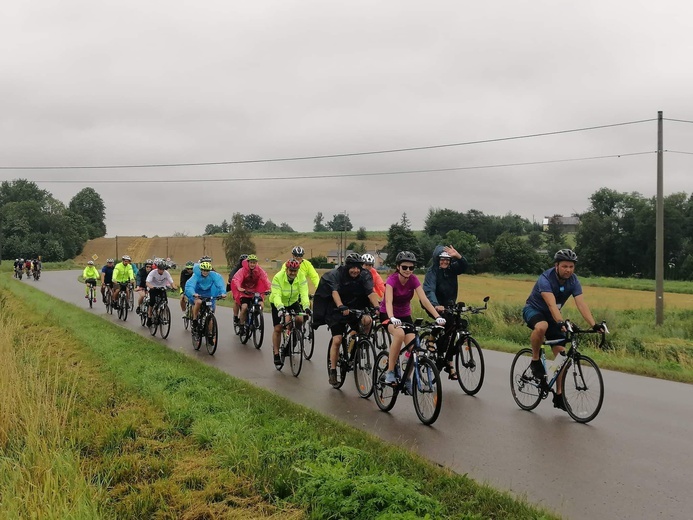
x=407 y=267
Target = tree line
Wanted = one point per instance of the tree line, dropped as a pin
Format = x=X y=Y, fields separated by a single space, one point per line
x=251 y=222
x=34 y=223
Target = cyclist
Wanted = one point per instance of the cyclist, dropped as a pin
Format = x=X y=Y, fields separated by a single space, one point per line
x=289 y=289
x=107 y=278
x=18 y=265
x=142 y=283
x=89 y=275
x=157 y=281
x=206 y=284
x=542 y=311
x=395 y=308
x=249 y=279
x=347 y=287
x=232 y=273
x=378 y=284
x=440 y=286
x=36 y=264
x=185 y=275
x=27 y=266
x=122 y=276
x=306 y=267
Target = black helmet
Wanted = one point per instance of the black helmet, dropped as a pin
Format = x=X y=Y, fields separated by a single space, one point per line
x=298 y=251
x=405 y=256
x=353 y=258
x=242 y=257
x=567 y=255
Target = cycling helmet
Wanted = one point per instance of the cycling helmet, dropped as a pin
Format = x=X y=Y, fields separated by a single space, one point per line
x=148 y=261
x=353 y=259
x=292 y=264
x=110 y=261
x=444 y=254
x=368 y=258
x=189 y=265
x=163 y=265
x=127 y=257
x=298 y=251
x=242 y=257
x=565 y=254
x=90 y=262
x=205 y=266
x=252 y=258
x=405 y=256
x=206 y=259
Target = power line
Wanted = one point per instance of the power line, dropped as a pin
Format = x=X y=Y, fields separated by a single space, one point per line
x=677 y=120
x=311 y=157
x=336 y=176
x=676 y=151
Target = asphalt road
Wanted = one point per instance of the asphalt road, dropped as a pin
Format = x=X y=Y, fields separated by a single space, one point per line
x=633 y=461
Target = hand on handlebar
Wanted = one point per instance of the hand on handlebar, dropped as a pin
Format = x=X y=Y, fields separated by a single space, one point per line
x=396 y=322
x=440 y=321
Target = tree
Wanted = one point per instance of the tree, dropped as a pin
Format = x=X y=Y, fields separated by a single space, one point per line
x=340 y=222
x=360 y=248
x=512 y=254
x=400 y=239
x=253 y=222
x=535 y=239
x=224 y=226
x=269 y=227
x=404 y=221
x=286 y=228
x=319 y=226
x=238 y=240
x=91 y=207
x=361 y=233
x=212 y=229
x=440 y=221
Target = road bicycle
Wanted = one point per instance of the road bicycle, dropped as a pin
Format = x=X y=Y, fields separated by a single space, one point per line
x=131 y=290
x=254 y=322
x=208 y=329
x=19 y=273
x=419 y=378
x=161 y=317
x=108 y=300
x=291 y=345
x=91 y=296
x=469 y=358
x=123 y=303
x=582 y=383
x=356 y=353
x=143 y=308
x=187 y=315
x=37 y=274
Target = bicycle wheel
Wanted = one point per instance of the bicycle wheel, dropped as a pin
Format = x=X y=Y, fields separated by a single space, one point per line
x=258 y=329
x=196 y=333
x=131 y=303
x=120 y=309
x=309 y=340
x=107 y=295
x=296 y=351
x=469 y=363
x=384 y=395
x=211 y=334
x=427 y=390
x=523 y=385
x=364 y=361
x=91 y=297
x=164 y=321
x=247 y=331
x=342 y=364
x=583 y=389
x=382 y=337
x=125 y=306
x=143 y=313
x=186 y=316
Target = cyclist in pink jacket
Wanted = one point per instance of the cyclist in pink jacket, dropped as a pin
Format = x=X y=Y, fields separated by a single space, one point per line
x=249 y=279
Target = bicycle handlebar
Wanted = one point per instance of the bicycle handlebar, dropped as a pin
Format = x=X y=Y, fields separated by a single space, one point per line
x=462 y=308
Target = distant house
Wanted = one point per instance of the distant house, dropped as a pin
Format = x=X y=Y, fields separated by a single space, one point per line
x=333 y=257
x=568 y=224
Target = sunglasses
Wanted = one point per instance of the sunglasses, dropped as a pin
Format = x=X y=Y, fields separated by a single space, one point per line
x=406 y=267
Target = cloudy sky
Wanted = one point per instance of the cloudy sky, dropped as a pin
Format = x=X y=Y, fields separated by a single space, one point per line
x=130 y=83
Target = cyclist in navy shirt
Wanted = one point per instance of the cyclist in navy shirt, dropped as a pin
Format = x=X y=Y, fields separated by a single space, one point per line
x=107 y=278
x=542 y=311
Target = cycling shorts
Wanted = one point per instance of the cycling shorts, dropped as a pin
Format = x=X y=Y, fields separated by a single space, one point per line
x=90 y=281
x=533 y=316
x=296 y=307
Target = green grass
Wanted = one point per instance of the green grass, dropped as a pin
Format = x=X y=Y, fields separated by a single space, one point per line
x=156 y=434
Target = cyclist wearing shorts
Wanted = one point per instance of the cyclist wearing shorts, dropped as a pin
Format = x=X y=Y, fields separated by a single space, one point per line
x=395 y=308
x=347 y=287
x=185 y=275
x=249 y=279
x=122 y=276
x=206 y=284
x=89 y=275
x=289 y=289
x=142 y=283
x=232 y=273
x=107 y=278
x=378 y=284
x=440 y=286
x=157 y=281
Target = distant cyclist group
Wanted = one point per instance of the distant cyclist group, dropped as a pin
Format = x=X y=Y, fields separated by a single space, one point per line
x=354 y=301
x=31 y=267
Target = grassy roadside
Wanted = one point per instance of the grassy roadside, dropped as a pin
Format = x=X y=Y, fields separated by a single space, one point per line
x=145 y=432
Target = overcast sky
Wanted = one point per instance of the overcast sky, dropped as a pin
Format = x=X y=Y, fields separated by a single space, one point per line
x=88 y=83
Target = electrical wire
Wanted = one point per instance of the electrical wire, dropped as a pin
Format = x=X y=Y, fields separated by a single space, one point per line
x=676 y=151
x=677 y=120
x=336 y=176
x=331 y=156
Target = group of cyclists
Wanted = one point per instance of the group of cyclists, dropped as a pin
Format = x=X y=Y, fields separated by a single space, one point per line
x=356 y=285
x=30 y=266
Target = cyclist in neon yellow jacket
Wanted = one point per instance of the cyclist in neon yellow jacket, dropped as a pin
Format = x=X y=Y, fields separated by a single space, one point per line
x=89 y=275
x=306 y=268
x=122 y=276
x=289 y=292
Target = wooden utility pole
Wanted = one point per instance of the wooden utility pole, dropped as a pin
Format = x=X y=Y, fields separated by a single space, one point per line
x=659 y=226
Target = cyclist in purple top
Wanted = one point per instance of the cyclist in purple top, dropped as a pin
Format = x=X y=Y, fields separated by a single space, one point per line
x=395 y=307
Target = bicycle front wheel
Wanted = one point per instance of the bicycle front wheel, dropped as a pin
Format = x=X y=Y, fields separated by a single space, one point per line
x=364 y=361
x=211 y=334
x=583 y=389
x=164 y=321
x=384 y=395
x=309 y=340
x=109 y=307
x=91 y=297
x=258 y=329
x=469 y=363
x=296 y=351
x=381 y=337
x=427 y=390
x=523 y=385
x=125 y=306
x=196 y=334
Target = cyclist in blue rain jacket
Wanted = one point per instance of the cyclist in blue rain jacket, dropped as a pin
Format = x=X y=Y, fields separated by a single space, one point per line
x=206 y=284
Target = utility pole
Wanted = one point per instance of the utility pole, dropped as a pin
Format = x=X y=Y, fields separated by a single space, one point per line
x=116 y=256
x=659 y=227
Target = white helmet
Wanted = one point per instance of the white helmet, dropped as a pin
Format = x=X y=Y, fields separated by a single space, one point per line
x=90 y=262
x=368 y=258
